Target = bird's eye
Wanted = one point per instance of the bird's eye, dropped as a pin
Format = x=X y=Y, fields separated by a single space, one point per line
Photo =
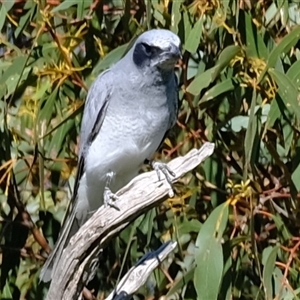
x=147 y=49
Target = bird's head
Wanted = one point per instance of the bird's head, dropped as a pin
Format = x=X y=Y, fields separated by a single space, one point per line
x=157 y=48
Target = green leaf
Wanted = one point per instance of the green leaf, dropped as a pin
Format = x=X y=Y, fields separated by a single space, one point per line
x=283 y=47
x=288 y=136
x=176 y=15
x=296 y=176
x=40 y=92
x=208 y=272
x=193 y=39
x=251 y=134
x=188 y=226
x=237 y=123
x=7 y=293
x=56 y=144
x=273 y=115
x=3 y=12
x=180 y=283
x=270 y=254
x=65 y=5
x=146 y=226
x=293 y=74
x=187 y=24
x=218 y=89
x=82 y=8
x=202 y=81
x=255 y=43
x=281 y=227
x=8 y=4
x=209 y=254
x=46 y=111
x=287 y=91
x=25 y=19
x=15 y=68
x=111 y=58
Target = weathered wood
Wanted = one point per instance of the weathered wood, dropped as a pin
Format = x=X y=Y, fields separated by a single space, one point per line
x=142 y=193
x=138 y=275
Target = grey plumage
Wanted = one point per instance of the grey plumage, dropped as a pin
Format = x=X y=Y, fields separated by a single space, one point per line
x=128 y=111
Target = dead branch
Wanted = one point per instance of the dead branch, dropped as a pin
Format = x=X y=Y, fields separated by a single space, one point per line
x=137 y=275
x=78 y=261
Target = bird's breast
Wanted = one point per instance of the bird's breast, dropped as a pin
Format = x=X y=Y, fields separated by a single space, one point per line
x=133 y=128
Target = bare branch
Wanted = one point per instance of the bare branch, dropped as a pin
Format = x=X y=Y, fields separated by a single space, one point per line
x=137 y=275
x=78 y=260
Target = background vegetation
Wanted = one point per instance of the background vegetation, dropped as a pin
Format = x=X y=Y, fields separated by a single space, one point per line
x=236 y=218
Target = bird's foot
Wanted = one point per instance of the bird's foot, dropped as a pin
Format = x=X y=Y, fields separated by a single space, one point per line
x=163 y=168
x=109 y=196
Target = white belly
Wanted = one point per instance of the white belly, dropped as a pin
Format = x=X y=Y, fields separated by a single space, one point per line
x=118 y=148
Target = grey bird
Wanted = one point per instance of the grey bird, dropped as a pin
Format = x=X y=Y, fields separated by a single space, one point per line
x=129 y=109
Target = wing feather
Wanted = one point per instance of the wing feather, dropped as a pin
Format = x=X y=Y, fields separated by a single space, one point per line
x=93 y=116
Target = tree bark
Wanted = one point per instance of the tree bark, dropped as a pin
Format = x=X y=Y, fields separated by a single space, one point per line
x=79 y=259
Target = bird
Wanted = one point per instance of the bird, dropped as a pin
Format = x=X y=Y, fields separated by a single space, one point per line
x=129 y=110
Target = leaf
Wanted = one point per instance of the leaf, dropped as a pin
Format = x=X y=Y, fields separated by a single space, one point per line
x=281 y=227
x=7 y=293
x=208 y=272
x=237 y=123
x=56 y=144
x=46 y=110
x=187 y=24
x=273 y=115
x=25 y=19
x=293 y=74
x=110 y=59
x=3 y=12
x=255 y=43
x=80 y=9
x=251 y=134
x=284 y=46
x=176 y=15
x=180 y=283
x=193 y=39
x=8 y=4
x=40 y=92
x=64 y=5
x=202 y=81
x=209 y=254
x=147 y=226
x=296 y=176
x=218 y=89
x=269 y=266
x=188 y=226
x=15 y=68
x=287 y=91
x=288 y=136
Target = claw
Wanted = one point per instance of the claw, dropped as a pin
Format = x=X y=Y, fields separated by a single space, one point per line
x=163 y=168
x=108 y=195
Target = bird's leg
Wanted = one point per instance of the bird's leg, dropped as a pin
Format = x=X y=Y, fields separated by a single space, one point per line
x=109 y=196
x=163 y=168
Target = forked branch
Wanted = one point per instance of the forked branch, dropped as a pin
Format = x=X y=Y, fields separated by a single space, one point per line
x=78 y=260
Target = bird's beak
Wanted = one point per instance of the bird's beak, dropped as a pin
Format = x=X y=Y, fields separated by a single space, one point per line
x=175 y=52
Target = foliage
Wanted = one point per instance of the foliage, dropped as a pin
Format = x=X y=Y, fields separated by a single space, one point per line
x=236 y=218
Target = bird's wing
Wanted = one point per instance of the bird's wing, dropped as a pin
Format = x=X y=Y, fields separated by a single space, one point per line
x=95 y=110
x=94 y=114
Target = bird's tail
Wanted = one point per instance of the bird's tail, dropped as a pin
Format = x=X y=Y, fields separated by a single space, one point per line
x=70 y=227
